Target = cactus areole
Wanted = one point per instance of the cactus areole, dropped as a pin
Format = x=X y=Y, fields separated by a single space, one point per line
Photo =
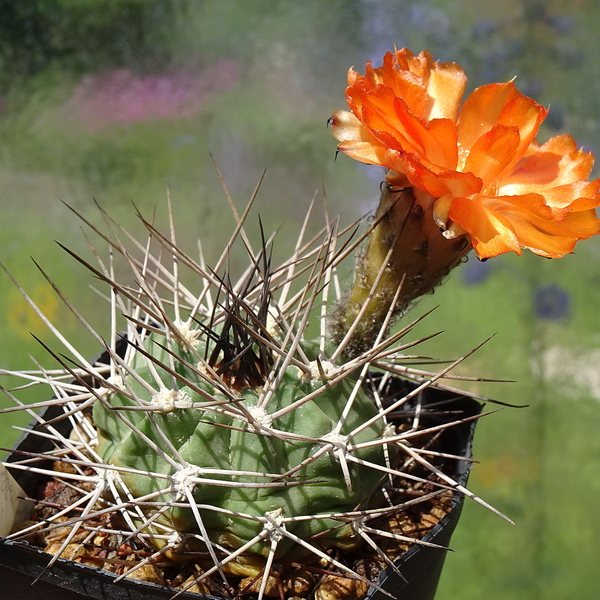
x=241 y=470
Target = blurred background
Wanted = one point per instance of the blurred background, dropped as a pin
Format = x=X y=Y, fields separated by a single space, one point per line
x=109 y=101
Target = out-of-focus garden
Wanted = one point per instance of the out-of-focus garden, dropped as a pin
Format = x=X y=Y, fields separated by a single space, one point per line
x=114 y=100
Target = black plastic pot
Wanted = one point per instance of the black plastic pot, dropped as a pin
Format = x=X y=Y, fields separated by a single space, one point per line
x=421 y=566
x=24 y=573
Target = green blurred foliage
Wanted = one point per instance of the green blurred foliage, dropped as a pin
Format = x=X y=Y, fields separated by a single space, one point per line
x=78 y=35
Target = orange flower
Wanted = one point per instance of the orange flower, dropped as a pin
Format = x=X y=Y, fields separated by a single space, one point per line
x=481 y=165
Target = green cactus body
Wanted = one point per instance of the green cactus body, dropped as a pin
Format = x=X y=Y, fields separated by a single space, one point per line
x=224 y=435
x=210 y=438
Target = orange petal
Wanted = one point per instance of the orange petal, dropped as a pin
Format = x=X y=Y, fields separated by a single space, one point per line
x=444 y=82
x=353 y=76
x=434 y=141
x=528 y=205
x=525 y=114
x=481 y=110
x=539 y=229
x=558 y=162
x=575 y=196
x=399 y=180
x=440 y=210
x=345 y=126
x=400 y=83
x=533 y=173
x=419 y=65
x=378 y=114
x=545 y=238
x=587 y=201
x=438 y=182
x=584 y=223
x=405 y=84
x=355 y=140
x=446 y=87
x=366 y=152
x=575 y=164
x=492 y=153
x=491 y=233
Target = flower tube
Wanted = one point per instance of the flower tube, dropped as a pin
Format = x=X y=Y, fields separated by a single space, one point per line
x=459 y=177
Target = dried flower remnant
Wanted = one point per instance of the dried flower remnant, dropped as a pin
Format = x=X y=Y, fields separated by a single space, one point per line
x=475 y=172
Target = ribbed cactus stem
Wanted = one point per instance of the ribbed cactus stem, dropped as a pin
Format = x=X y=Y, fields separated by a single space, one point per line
x=253 y=463
x=222 y=433
x=405 y=248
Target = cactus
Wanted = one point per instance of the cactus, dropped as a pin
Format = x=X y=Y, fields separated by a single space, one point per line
x=234 y=447
x=221 y=433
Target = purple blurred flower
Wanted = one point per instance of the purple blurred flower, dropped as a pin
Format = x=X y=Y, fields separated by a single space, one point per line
x=121 y=96
x=475 y=272
x=551 y=302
